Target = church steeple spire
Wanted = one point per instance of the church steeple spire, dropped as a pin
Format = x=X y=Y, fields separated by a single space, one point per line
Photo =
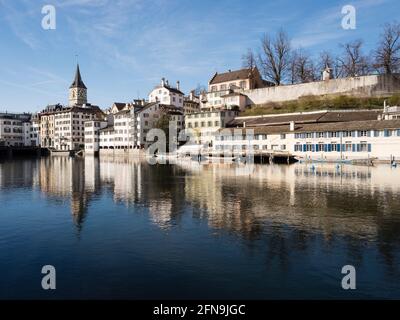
x=77 y=90
x=78 y=83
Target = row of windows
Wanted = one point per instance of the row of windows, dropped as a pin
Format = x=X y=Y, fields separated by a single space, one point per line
x=14 y=138
x=245 y=137
x=63 y=116
x=344 y=134
x=90 y=124
x=254 y=147
x=210 y=114
x=14 y=130
x=242 y=84
x=202 y=124
x=14 y=123
x=68 y=129
x=63 y=122
x=334 y=147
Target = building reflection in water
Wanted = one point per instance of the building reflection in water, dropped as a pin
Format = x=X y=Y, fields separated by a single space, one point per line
x=295 y=203
x=63 y=179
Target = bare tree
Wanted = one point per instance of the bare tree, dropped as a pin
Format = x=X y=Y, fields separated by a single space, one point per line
x=327 y=60
x=353 y=62
x=302 y=68
x=249 y=60
x=200 y=89
x=292 y=67
x=387 y=56
x=274 y=58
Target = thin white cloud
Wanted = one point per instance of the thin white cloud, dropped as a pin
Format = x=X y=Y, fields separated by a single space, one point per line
x=28 y=87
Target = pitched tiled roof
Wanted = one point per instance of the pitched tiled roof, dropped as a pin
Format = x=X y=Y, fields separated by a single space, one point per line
x=119 y=105
x=172 y=89
x=315 y=117
x=123 y=112
x=231 y=76
x=323 y=127
x=147 y=105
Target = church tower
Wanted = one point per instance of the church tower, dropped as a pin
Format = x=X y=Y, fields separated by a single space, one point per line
x=77 y=90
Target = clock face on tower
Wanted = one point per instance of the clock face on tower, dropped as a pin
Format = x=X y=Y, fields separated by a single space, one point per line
x=81 y=93
x=77 y=96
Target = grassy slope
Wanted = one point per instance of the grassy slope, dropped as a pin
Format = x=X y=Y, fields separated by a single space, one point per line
x=321 y=103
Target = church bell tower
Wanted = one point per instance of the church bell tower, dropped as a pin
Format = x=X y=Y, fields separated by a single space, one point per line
x=77 y=90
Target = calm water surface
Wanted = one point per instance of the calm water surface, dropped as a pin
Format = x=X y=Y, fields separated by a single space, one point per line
x=120 y=228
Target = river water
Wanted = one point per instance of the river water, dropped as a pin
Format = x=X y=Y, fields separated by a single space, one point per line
x=118 y=228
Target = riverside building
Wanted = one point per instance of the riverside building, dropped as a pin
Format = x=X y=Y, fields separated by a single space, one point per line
x=63 y=127
x=15 y=129
x=320 y=135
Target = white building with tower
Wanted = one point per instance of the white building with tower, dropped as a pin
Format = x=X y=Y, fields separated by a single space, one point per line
x=63 y=127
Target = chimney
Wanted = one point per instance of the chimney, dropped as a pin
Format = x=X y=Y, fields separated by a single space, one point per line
x=178 y=84
x=167 y=83
x=162 y=82
x=291 y=126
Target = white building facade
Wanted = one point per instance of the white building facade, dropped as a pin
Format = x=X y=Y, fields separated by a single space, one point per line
x=69 y=126
x=167 y=95
x=92 y=135
x=222 y=85
x=204 y=125
x=333 y=141
x=14 y=130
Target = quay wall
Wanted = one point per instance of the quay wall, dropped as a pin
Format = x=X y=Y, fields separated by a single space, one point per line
x=23 y=152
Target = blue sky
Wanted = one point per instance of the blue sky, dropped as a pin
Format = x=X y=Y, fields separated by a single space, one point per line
x=126 y=47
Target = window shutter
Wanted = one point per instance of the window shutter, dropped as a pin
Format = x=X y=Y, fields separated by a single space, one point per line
x=369 y=147
x=354 y=148
x=338 y=147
